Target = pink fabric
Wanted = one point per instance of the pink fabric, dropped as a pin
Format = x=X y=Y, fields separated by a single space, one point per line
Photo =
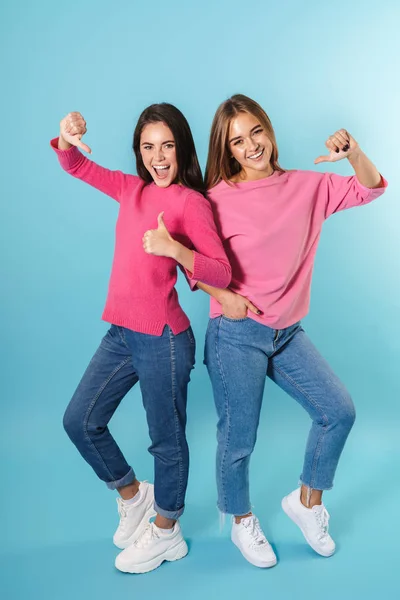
x=141 y=294
x=271 y=228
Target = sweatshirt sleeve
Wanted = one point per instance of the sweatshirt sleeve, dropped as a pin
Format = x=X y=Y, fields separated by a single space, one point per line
x=211 y=265
x=76 y=164
x=346 y=192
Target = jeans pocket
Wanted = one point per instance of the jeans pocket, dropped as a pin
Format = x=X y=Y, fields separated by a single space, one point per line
x=234 y=320
x=190 y=335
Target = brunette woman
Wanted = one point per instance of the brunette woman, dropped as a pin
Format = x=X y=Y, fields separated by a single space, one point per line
x=164 y=222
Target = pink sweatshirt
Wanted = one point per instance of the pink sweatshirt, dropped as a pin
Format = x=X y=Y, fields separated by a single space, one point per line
x=141 y=294
x=271 y=228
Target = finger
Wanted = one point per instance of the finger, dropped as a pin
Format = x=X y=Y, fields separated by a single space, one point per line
x=322 y=159
x=330 y=144
x=160 y=219
x=253 y=308
x=77 y=129
x=84 y=147
x=339 y=141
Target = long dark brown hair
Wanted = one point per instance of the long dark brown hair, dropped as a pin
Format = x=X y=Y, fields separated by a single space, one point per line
x=189 y=172
x=220 y=165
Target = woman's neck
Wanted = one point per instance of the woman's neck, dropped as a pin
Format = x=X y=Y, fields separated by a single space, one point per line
x=252 y=175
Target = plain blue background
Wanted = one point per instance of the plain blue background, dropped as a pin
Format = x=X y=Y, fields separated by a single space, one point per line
x=315 y=67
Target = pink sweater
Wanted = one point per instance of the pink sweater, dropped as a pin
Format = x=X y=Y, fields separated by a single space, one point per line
x=141 y=294
x=271 y=228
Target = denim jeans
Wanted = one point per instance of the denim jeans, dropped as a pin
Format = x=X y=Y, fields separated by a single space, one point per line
x=239 y=354
x=162 y=365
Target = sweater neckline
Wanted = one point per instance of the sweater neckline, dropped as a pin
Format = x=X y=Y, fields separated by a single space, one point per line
x=275 y=177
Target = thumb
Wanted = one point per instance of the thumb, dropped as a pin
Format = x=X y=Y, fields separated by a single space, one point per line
x=253 y=308
x=84 y=147
x=321 y=159
x=161 y=220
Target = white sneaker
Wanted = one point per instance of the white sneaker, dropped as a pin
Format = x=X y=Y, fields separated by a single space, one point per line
x=252 y=543
x=151 y=549
x=134 y=517
x=313 y=523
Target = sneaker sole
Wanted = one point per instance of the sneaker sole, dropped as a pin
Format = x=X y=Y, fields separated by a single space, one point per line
x=176 y=553
x=256 y=563
x=292 y=515
x=133 y=537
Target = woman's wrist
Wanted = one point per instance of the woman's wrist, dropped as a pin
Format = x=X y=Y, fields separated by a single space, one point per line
x=175 y=250
x=63 y=144
x=354 y=155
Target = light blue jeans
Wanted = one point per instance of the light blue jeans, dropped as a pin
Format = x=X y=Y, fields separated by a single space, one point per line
x=239 y=354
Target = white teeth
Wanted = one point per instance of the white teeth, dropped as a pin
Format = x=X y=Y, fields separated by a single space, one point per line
x=256 y=155
x=161 y=167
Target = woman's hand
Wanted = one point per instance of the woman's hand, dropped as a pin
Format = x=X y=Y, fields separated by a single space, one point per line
x=235 y=306
x=340 y=145
x=158 y=241
x=72 y=128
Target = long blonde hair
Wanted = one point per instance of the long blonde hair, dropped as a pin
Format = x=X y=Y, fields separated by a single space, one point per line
x=219 y=163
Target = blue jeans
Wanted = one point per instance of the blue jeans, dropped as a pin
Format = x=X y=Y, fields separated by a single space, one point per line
x=239 y=354
x=162 y=365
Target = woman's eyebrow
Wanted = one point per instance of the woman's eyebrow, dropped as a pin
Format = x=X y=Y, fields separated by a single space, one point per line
x=239 y=136
x=162 y=143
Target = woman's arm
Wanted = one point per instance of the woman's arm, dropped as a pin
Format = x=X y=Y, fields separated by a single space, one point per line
x=338 y=192
x=208 y=262
x=233 y=305
x=67 y=145
x=342 y=145
x=366 y=172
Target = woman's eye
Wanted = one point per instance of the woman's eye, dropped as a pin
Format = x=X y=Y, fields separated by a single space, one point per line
x=257 y=131
x=169 y=146
x=147 y=147
x=238 y=142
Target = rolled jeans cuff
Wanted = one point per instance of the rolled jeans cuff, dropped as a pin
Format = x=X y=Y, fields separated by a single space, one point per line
x=125 y=480
x=169 y=514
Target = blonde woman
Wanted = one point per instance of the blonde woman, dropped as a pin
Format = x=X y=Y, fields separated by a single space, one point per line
x=270 y=222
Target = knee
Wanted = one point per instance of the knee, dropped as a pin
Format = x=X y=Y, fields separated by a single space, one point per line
x=237 y=447
x=73 y=426
x=345 y=415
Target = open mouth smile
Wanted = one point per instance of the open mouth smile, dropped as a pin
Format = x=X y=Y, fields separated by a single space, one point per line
x=257 y=156
x=161 y=171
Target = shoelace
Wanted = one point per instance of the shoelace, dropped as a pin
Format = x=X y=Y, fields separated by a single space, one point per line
x=252 y=524
x=322 y=517
x=147 y=535
x=121 y=508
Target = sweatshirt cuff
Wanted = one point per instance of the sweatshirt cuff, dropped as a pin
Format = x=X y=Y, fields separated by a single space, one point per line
x=199 y=270
x=380 y=189
x=67 y=157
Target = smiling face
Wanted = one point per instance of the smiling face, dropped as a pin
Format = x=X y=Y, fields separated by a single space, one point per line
x=158 y=151
x=250 y=145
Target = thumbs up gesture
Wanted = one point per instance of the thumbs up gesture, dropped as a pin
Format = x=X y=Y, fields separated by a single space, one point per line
x=72 y=128
x=340 y=145
x=158 y=241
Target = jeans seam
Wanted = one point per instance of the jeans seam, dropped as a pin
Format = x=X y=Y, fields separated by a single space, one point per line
x=90 y=408
x=122 y=336
x=226 y=408
x=190 y=336
x=178 y=441
x=234 y=320
x=322 y=434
